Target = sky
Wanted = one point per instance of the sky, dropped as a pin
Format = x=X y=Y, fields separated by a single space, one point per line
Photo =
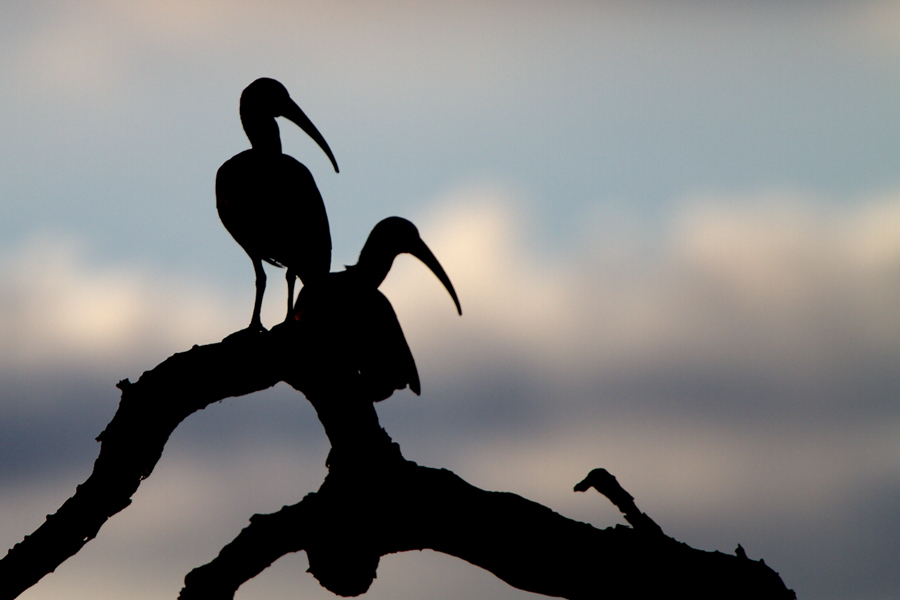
x=674 y=229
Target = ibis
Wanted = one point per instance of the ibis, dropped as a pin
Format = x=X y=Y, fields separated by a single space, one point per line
x=355 y=324
x=268 y=201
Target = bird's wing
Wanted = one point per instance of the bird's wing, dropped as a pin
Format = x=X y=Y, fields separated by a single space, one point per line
x=271 y=206
x=386 y=356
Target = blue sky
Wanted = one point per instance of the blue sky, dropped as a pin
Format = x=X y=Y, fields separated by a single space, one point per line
x=674 y=229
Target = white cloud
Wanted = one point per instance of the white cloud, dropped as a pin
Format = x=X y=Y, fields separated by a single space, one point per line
x=59 y=309
x=795 y=279
x=772 y=282
x=769 y=284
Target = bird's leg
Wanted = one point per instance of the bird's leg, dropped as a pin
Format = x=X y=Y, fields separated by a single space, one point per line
x=255 y=321
x=291 y=279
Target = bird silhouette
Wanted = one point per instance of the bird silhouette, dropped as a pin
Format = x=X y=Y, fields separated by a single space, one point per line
x=268 y=201
x=354 y=325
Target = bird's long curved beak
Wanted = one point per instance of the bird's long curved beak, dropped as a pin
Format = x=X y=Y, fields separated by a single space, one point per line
x=423 y=253
x=293 y=113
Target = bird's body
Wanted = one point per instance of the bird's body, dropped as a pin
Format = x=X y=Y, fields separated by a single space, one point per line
x=268 y=201
x=353 y=323
x=271 y=206
x=356 y=331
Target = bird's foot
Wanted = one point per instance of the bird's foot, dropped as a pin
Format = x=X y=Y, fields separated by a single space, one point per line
x=286 y=325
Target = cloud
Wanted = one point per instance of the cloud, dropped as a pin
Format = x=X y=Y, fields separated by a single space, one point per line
x=58 y=308
x=767 y=258
x=775 y=284
x=772 y=286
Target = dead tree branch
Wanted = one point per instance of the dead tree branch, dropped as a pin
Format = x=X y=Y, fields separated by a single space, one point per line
x=372 y=503
x=132 y=443
x=354 y=519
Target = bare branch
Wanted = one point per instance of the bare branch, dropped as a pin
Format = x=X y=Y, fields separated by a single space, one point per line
x=355 y=518
x=372 y=503
x=133 y=442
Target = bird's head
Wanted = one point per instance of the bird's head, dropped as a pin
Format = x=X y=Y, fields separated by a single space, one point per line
x=391 y=237
x=265 y=99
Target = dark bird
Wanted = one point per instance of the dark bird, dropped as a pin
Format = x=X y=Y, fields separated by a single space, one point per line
x=268 y=201
x=353 y=324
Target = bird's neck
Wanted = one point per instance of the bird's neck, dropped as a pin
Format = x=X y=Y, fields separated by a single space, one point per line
x=262 y=133
x=373 y=267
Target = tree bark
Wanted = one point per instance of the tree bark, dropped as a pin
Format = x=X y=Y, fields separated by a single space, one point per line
x=132 y=443
x=354 y=519
x=372 y=503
